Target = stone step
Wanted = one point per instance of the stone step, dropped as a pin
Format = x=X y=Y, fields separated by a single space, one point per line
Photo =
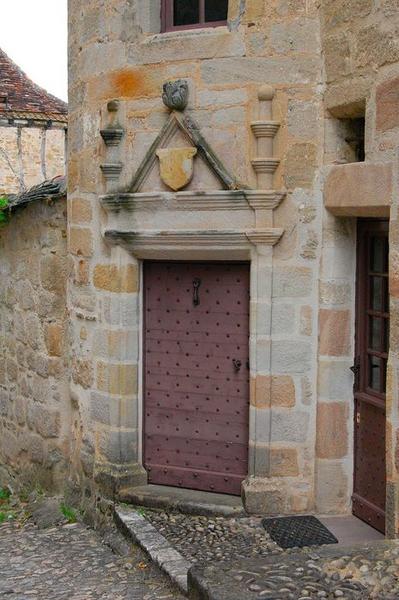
x=185 y=501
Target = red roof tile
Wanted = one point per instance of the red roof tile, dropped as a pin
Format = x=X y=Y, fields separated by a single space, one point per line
x=19 y=93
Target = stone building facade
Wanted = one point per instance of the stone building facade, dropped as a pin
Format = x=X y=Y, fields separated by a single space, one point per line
x=34 y=385
x=32 y=131
x=276 y=149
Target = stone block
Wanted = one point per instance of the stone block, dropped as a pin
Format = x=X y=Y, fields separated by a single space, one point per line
x=300 y=165
x=116 y=344
x=375 y=46
x=82 y=272
x=118 y=447
x=332 y=430
x=337 y=55
x=53 y=274
x=335 y=380
x=289 y=426
x=54 y=339
x=254 y=70
x=46 y=422
x=278 y=390
x=334 y=292
x=299 y=35
x=359 y=190
x=114 y=411
x=112 y=278
x=215 y=98
x=81 y=211
x=118 y=379
x=305 y=322
x=387 y=105
x=289 y=356
x=80 y=241
x=301 y=119
x=335 y=328
x=284 y=462
x=261 y=496
x=332 y=491
x=283 y=318
x=82 y=372
x=292 y=282
x=338 y=12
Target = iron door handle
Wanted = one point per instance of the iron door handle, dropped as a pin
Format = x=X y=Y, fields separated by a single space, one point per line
x=237 y=365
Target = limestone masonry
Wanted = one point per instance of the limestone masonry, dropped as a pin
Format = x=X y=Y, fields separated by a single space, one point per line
x=273 y=142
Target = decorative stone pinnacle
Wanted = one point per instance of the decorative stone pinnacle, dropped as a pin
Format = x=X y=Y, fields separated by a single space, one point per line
x=175 y=94
x=113 y=106
x=266 y=92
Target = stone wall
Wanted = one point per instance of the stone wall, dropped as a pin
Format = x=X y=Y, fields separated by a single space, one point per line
x=35 y=411
x=361 y=48
x=30 y=155
x=116 y=55
x=328 y=63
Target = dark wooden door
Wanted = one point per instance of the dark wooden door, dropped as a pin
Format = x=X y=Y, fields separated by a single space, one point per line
x=372 y=343
x=196 y=375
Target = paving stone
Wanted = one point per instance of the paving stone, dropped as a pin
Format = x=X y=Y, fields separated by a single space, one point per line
x=72 y=563
x=363 y=572
x=201 y=539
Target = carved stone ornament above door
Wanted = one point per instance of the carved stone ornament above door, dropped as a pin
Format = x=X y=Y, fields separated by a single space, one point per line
x=215 y=212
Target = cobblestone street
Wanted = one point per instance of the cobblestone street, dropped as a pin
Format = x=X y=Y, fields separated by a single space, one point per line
x=71 y=562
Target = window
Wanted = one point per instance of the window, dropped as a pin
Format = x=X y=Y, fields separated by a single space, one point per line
x=189 y=14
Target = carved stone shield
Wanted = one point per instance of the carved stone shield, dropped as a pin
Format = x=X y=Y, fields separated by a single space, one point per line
x=176 y=166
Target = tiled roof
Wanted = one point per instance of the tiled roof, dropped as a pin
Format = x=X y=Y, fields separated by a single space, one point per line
x=12 y=115
x=18 y=94
x=47 y=190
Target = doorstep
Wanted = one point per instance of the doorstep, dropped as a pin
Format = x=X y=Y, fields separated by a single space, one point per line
x=186 y=501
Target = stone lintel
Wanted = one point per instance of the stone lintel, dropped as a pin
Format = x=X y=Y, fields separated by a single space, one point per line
x=193 y=200
x=359 y=190
x=184 y=239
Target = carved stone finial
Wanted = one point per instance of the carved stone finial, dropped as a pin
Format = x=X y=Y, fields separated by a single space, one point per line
x=175 y=94
x=113 y=106
x=266 y=92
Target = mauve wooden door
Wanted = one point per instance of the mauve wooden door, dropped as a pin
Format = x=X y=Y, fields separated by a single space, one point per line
x=196 y=374
x=372 y=344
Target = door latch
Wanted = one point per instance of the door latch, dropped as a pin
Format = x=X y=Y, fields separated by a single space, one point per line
x=355 y=368
x=196 y=286
x=358 y=417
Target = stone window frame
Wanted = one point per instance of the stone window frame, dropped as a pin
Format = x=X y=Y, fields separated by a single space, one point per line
x=150 y=21
x=167 y=18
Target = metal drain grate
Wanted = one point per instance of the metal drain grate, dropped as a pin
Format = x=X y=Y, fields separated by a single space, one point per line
x=297 y=532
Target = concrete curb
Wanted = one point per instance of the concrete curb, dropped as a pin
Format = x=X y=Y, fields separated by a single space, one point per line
x=161 y=552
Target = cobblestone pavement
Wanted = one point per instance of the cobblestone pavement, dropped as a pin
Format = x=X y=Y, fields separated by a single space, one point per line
x=369 y=572
x=72 y=563
x=205 y=539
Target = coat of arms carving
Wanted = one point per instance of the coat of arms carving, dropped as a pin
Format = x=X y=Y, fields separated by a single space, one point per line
x=176 y=166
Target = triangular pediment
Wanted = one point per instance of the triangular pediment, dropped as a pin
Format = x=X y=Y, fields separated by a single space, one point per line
x=180 y=130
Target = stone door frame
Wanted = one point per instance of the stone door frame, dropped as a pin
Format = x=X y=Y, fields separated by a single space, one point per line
x=253 y=245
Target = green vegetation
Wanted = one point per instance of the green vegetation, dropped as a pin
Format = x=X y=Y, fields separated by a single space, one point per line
x=69 y=513
x=4 y=213
x=5 y=494
x=7 y=513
